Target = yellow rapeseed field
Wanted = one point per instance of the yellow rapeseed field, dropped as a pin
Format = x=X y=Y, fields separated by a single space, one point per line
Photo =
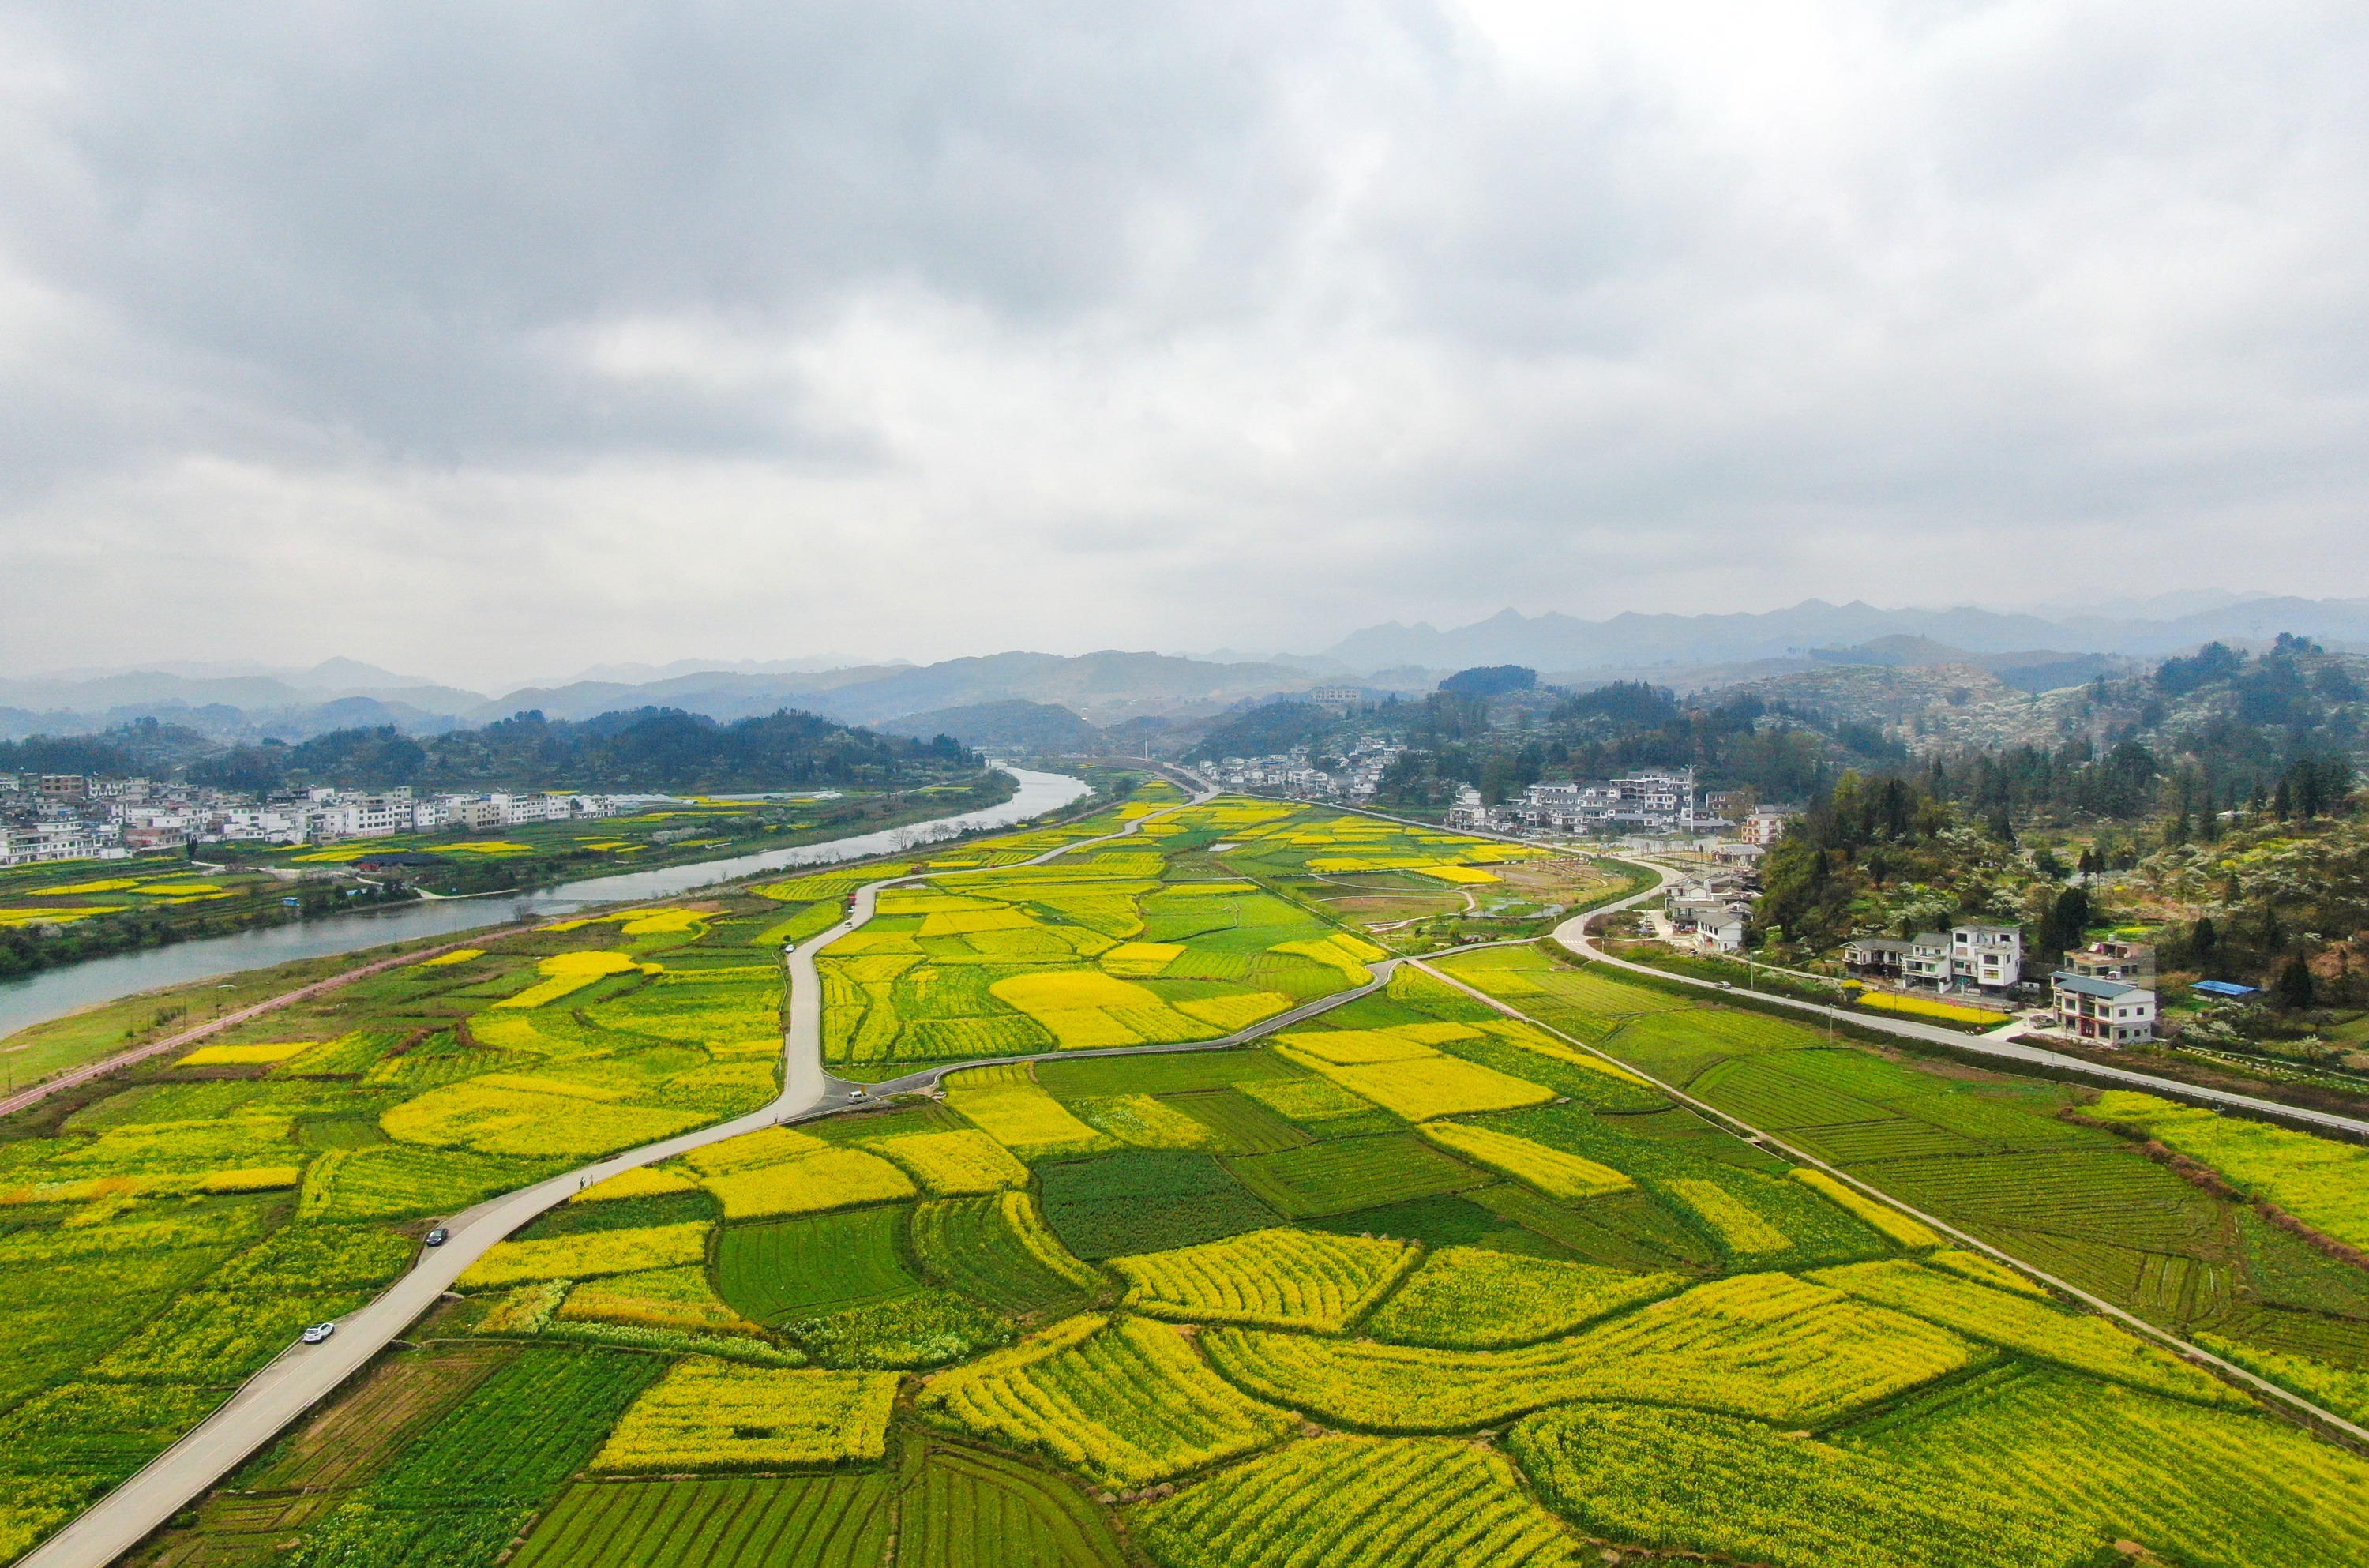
x=567 y=972
x=642 y=1181
x=1348 y=1048
x=1340 y=951
x=458 y=955
x=506 y=1113
x=1739 y=1229
x=1424 y=1087
x=1283 y=1278
x=1141 y=958
x=1552 y=1172
x=681 y=1298
x=812 y=1183
x=710 y=1414
x=1926 y=1007
x=950 y=1164
x=247 y=1056
x=1009 y=1106
x=589 y=1254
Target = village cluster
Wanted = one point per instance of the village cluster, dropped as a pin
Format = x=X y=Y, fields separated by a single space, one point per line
x=51 y=816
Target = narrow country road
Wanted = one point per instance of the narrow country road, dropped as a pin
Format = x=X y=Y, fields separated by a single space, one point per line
x=303 y=1375
x=1573 y=935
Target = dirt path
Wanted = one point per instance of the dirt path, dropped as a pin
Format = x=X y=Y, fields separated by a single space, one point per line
x=100 y=1069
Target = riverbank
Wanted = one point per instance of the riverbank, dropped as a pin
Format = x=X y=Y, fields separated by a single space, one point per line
x=63 y=1018
x=248 y=887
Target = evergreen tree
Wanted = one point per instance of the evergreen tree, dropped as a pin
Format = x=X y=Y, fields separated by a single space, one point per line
x=2295 y=984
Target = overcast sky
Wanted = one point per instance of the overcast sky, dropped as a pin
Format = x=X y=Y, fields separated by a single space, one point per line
x=491 y=340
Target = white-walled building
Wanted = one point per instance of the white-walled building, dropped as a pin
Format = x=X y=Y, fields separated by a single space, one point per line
x=1983 y=957
x=2113 y=1013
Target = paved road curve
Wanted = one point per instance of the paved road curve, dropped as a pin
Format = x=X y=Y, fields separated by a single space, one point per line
x=1573 y=935
x=304 y=1374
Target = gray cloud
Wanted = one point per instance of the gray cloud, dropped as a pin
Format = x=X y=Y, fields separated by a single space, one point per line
x=488 y=339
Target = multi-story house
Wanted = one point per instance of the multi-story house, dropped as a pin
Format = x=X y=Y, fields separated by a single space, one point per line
x=2113 y=1013
x=1882 y=957
x=1990 y=956
x=1985 y=957
x=2130 y=962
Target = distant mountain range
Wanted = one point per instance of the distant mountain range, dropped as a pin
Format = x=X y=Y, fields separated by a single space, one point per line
x=1634 y=643
x=1129 y=690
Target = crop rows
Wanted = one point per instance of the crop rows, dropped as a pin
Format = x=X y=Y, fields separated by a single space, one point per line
x=1761 y=1345
x=999 y=1250
x=1281 y=1278
x=1147 y=1201
x=1126 y=1403
x=1009 y=1106
x=826 y=1521
x=1637 y=1473
x=1478 y=1299
x=779 y=1270
x=1409 y=1503
x=971 y=1509
x=1339 y=1175
x=2320 y=1182
x=1550 y=1171
x=710 y=1414
x=2028 y=1326
x=955 y=1164
x=2222 y=1489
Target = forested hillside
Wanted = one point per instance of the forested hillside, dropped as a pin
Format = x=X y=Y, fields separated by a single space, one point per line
x=652 y=749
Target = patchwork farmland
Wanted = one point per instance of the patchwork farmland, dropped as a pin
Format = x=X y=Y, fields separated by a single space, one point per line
x=1407 y=1282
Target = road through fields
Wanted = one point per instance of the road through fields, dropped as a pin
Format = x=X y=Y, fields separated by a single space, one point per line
x=1573 y=935
x=303 y=1375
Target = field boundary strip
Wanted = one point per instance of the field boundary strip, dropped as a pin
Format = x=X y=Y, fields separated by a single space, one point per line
x=88 y=1071
x=2193 y=1354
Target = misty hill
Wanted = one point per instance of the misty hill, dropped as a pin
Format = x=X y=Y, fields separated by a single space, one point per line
x=1027 y=728
x=652 y=750
x=1562 y=642
x=1112 y=689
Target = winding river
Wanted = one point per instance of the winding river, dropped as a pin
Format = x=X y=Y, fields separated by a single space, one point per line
x=53 y=993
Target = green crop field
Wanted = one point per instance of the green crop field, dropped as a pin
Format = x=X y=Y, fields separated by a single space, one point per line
x=786 y=1269
x=998 y=1251
x=1413 y=1283
x=969 y=1508
x=737 y=1522
x=1334 y=1178
x=1146 y=1202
